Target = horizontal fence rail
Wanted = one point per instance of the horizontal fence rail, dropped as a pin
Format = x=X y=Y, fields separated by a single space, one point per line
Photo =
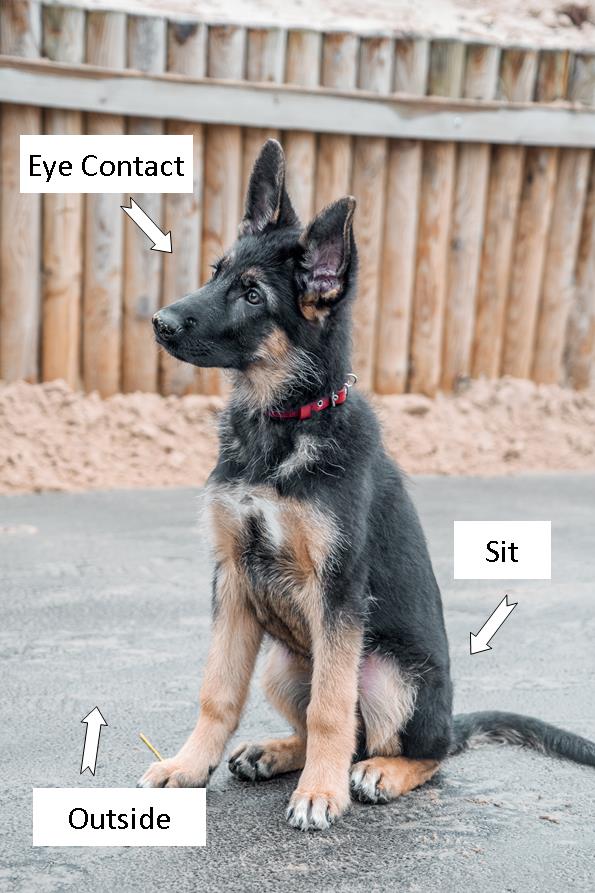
x=472 y=164
x=289 y=107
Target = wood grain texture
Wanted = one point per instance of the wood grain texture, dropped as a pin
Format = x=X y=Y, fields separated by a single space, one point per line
x=284 y=106
x=580 y=343
x=103 y=261
x=561 y=255
x=535 y=210
x=335 y=153
x=369 y=188
x=63 y=41
x=265 y=63
x=518 y=74
x=558 y=289
x=186 y=54
x=302 y=67
x=226 y=53
x=142 y=267
x=436 y=197
x=582 y=79
x=20 y=215
x=579 y=349
x=466 y=235
x=518 y=71
x=400 y=230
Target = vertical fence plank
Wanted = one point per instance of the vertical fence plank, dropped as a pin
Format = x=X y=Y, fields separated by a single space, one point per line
x=582 y=79
x=186 y=52
x=400 y=229
x=579 y=353
x=20 y=215
x=226 y=53
x=63 y=41
x=142 y=267
x=368 y=186
x=102 y=285
x=339 y=70
x=466 y=235
x=561 y=256
x=517 y=83
x=302 y=67
x=580 y=344
x=535 y=210
x=437 y=185
x=265 y=62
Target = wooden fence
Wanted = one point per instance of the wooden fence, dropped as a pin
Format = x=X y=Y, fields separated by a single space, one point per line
x=476 y=207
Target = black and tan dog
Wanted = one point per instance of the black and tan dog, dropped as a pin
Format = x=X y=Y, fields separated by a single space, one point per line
x=316 y=541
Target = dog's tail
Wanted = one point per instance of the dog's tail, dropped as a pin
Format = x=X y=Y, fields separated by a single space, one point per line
x=494 y=726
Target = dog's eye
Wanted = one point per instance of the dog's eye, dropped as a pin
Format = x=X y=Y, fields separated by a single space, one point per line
x=253 y=296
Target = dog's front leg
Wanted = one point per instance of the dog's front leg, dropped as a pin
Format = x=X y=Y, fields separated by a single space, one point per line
x=322 y=793
x=236 y=638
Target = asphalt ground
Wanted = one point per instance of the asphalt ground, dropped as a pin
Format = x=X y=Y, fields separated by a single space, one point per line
x=104 y=599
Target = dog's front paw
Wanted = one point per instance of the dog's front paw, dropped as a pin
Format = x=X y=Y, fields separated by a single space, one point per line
x=175 y=773
x=316 y=810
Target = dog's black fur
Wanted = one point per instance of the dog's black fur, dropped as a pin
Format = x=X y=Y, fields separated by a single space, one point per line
x=279 y=278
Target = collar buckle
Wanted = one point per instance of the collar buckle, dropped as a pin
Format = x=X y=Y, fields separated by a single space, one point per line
x=305 y=412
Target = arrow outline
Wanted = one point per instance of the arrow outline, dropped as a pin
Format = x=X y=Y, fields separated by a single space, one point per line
x=511 y=605
x=129 y=211
x=85 y=720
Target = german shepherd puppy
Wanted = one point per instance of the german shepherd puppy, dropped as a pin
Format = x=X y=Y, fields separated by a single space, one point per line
x=316 y=541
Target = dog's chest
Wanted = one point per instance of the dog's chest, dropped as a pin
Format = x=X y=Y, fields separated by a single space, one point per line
x=278 y=549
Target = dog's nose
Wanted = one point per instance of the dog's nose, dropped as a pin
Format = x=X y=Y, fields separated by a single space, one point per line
x=164 y=327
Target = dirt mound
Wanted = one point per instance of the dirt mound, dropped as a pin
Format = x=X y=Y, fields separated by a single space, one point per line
x=52 y=438
x=541 y=23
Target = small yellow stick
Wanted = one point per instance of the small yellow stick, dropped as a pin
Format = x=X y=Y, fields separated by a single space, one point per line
x=148 y=744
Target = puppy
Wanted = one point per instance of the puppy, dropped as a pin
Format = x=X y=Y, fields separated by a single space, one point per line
x=317 y=544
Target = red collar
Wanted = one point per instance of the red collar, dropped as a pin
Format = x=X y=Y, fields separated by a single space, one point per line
x=304 y=412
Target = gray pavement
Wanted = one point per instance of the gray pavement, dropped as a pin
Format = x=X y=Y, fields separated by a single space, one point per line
x=104 y=599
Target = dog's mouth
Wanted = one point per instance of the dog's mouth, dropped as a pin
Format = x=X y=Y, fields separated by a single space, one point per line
x=202 y=356
x=170 y=347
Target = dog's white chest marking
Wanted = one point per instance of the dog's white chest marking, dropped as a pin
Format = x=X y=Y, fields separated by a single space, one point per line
x=243 y=516
x=276 y=550
x=242 y=504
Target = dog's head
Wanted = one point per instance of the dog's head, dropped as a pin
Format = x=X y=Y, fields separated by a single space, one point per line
x=273 y=309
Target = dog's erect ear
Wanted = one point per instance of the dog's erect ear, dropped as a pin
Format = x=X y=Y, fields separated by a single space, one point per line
x=328 y=245
x=267 y=202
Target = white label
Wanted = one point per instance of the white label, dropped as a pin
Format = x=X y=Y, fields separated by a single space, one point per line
x=106 y=164
x=502 y=550
x=119 y=817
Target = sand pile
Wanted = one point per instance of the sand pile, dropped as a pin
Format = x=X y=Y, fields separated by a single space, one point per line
x=542 y=23
x=54 y=439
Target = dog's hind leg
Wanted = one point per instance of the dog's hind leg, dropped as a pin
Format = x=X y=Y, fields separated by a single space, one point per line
x=286 y=682
x=423 y=743
x=381 y=779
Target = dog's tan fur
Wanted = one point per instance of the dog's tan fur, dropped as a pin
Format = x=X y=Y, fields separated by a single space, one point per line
x=385 y=778
x=235 y=642
x=331 y=723
x=301 y=539
x=267 y=375
x=272 y=757
x=311 y=307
